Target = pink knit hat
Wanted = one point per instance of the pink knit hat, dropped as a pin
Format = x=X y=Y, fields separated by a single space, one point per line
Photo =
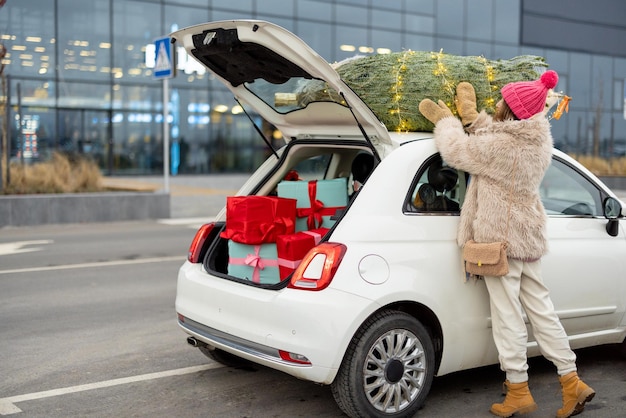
x=527 y=98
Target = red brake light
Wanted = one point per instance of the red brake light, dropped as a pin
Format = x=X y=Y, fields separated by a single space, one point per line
x=293 y=358
x=195 y=249
x=318 y=267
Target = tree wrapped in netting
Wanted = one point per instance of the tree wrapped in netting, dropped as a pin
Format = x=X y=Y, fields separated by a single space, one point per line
x=392 y=85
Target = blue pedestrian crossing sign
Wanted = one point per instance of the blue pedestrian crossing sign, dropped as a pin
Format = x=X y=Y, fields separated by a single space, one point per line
x=164 y=66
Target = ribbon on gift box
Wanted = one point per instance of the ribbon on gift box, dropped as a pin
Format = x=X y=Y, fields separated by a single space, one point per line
x=317 y=209
x=258 y=219
x=296 y=246
x=256 y=262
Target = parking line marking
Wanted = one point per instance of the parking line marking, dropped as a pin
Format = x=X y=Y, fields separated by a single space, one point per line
x=180 y=258
x=7 y=406
x=18 y=247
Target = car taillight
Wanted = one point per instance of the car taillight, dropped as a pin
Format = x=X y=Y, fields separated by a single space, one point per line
x=195 y=249
x=293 y=357
x=318 y=267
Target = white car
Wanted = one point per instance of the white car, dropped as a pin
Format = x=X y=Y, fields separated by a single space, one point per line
x=381 y=305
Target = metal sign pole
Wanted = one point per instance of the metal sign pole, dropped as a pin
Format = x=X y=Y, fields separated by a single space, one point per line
x=166 y=136
x=20 y=131
x=164 y=68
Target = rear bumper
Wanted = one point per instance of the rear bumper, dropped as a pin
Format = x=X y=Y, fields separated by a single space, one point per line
x=256 y=323
x=220 y=339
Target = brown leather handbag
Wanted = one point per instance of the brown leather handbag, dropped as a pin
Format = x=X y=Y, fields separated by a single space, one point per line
x=486 y=259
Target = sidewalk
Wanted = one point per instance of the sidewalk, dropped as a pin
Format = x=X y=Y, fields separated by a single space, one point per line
x=191 y=196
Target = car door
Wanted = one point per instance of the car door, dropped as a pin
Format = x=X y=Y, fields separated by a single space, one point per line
x=584 y=268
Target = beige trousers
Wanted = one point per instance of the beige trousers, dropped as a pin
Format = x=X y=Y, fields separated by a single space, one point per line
x=522 y=290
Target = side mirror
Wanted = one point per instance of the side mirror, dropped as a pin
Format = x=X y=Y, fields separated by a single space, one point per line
x=612 y=211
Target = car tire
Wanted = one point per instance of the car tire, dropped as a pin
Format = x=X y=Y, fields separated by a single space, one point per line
x=388 y=368
x=223 y=357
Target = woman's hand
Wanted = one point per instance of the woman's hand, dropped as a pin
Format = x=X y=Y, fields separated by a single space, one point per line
x=434 y=112
x=465 y=101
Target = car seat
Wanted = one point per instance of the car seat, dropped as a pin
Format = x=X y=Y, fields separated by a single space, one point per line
x=443 y=180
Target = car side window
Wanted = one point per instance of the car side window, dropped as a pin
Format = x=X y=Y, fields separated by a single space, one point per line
x=436 y=188
x=564 y=191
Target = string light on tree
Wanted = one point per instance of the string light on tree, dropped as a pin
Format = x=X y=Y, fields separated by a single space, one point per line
x=399 y=72
x=392 y=85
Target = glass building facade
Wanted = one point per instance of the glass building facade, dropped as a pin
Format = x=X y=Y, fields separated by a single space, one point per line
x=79 y=73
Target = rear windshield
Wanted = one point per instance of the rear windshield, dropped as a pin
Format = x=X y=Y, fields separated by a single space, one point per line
x=295 y=94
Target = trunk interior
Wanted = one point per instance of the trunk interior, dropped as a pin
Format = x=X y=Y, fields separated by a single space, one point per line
x=333 y=166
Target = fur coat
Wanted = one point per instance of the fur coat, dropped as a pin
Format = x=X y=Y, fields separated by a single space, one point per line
x=507 y=161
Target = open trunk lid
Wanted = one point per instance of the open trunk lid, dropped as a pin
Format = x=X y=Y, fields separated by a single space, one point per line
x=282 y=79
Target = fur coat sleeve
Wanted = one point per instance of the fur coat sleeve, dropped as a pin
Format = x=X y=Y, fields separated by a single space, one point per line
x=506 y=162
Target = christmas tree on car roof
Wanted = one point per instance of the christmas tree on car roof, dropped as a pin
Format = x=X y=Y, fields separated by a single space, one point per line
x=392 y=85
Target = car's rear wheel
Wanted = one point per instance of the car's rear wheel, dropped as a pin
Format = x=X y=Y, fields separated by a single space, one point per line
x=388 y=368
x=223 y=357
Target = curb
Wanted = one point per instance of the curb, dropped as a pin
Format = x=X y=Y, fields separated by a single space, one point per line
x=42 y=209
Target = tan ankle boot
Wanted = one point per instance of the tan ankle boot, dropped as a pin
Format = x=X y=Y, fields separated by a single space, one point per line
x=575 y=394
x=518 y=400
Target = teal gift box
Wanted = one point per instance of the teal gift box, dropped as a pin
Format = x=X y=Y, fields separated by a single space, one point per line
x=317 y=200
x=257 y=263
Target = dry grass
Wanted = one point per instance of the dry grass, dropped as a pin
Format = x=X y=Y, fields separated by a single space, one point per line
x=58 y=175
x=602 y=166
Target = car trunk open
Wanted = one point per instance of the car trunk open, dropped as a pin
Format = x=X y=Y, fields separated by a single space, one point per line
x=269 y=69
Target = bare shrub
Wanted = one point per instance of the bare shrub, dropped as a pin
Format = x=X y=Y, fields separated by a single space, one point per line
x=58 y=175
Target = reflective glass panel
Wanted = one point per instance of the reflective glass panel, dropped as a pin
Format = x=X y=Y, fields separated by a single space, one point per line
x=276 y=7
x=450 y=17
x=565 y=192
x=135 y=29
x=420 y=6
x=386 y=19
x=417 y=23
x=351 y=14
x=28 y=34
x=318 y=36
x=138 y=97
x=84 y=40
x=84 y=95
x=480 y=20
x=351 y=41
x=314 y=10
x=507 y=21
x=240 y=5
x=295 y=94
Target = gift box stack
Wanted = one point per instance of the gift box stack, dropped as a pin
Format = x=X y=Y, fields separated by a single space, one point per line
x=269 y=236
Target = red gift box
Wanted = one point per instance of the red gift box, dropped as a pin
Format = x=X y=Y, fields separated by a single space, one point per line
x=292 y=248
x=256 y=220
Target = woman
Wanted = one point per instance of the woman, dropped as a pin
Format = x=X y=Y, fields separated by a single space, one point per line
x=507 y=157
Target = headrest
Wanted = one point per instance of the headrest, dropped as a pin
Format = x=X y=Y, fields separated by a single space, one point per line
x=442 y=178
x=362 y=166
